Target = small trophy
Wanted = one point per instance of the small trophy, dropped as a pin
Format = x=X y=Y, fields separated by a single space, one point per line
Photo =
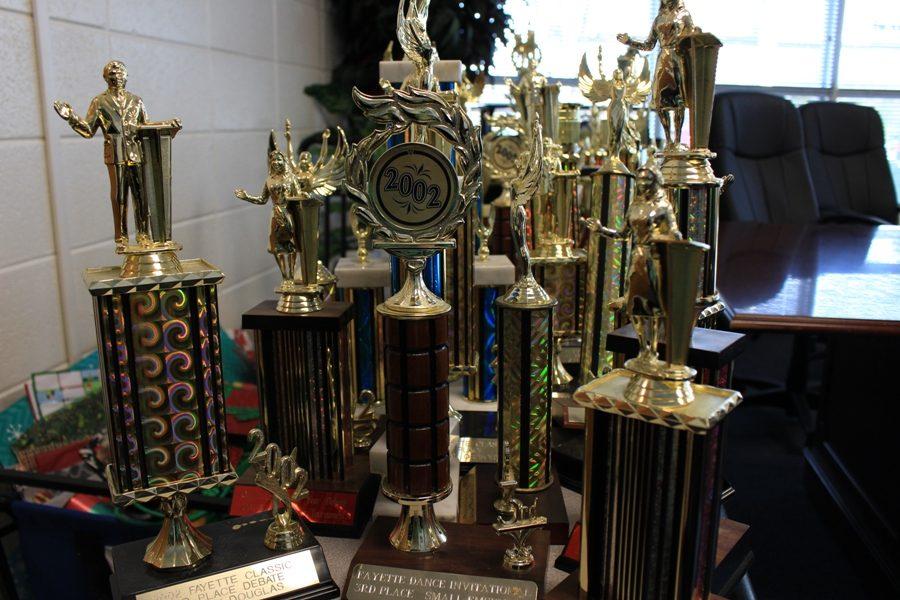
x=484 y=231
x=414 y=199
x=278 y=475
x=158 y=333
x=525 y=315
x=652 y=415
x=519 y=524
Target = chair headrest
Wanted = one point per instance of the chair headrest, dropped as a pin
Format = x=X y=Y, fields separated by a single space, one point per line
x=755 y=125
x=841 y=128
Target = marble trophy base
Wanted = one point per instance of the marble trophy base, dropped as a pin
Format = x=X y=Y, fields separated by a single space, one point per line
x=470 y=551
x=240 y=564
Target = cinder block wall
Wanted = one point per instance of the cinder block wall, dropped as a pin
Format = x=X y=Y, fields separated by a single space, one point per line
x=231 y=69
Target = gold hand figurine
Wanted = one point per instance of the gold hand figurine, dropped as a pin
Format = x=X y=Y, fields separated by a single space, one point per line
x=672 y=24
x=484 y=229
x=623 y=91
x=120 y=115
x=518 y=525
x=362 y=233
x=277 y=475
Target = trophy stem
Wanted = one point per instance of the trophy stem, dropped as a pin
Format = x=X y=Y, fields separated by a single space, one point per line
x=418 y=529
x=179 y=545
x=414 y=300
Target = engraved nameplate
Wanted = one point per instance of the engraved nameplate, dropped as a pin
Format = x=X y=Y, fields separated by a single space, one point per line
x=371 y=581
x=266 y=579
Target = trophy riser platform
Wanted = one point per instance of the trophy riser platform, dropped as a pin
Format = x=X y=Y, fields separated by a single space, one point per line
x=306 y=396
x=473 y=550
x=550 y=503
x=238 y=549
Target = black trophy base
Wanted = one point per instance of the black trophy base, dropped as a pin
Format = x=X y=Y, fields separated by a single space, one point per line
x=470 y=550
x=550 y=503
x=239 y=567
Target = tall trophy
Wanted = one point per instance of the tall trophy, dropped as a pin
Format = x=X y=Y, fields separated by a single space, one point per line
x=525 y=354
x=502 y=148
x=305 y=367
x=157 y=331
x=685 y=80
x=414 y=199
x=612 y=186
x=654 y=438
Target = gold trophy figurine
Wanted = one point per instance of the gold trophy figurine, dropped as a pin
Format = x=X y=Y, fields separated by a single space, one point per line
x=519 y=524
x=654 y=236
x=484 y=229
x=623 y=91
x=278 y=475
x=672 y=24
x=297 y=188
x=121 y=115
x=362 y=233
x=412 y=33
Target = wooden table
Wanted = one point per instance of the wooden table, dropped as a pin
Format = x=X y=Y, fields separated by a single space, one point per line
x=843 y=283
x=811 y=278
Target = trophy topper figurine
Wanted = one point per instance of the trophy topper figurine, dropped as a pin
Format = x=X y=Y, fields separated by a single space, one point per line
x=518 y=524
x=280 y=476
x=412 y=33
x=121 y=116
x=624 y=91
x=297 y=187
x=672 y=24
x=653 y=233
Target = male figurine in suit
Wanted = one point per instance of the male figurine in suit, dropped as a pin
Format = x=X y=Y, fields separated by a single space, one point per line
x=119 y=114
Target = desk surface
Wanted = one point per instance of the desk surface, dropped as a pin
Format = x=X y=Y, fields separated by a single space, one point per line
x=811 y=278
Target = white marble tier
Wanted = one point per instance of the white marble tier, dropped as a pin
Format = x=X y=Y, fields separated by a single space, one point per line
x=446 y=71
x=496 y=271
x=372 y=274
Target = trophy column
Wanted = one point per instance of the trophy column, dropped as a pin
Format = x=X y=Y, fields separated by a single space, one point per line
x=611 y=194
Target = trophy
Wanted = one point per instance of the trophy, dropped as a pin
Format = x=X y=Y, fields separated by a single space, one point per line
x=652 y=416
x=414 y=199
x=685 y=79
x=297 y=187
x=611 y=188
x=306 y=371
x=502 y=147
x=157 y=331
x=484 y=229
x=525 y=352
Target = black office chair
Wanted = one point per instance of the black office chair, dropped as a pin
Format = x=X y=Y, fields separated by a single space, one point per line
x=758 y=138
x=848 y=162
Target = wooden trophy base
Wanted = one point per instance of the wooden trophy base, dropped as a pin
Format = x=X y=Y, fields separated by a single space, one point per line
x=733 y=559
x=470 y=550
x=239 y=567
x=332 y=508
x=550 y=503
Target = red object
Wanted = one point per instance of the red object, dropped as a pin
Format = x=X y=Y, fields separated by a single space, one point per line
x=59 y=458
x=572 y=550
x=321 y=507
x=244 y=396
x=85 y=502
